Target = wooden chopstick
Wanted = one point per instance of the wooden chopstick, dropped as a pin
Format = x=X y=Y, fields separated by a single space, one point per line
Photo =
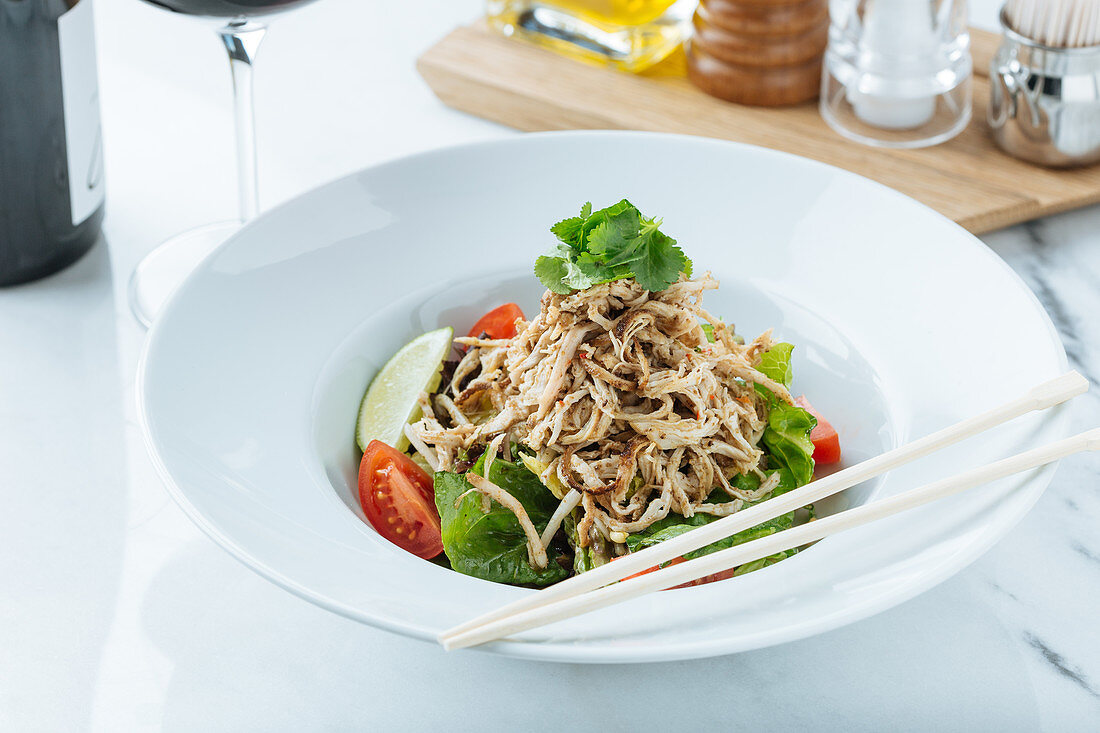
x=772 y=544
x=1046 y=395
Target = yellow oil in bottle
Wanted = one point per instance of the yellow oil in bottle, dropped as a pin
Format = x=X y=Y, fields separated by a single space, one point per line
x=629 y=34
x=619 y=12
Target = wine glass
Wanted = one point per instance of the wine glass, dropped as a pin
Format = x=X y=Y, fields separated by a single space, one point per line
x=161 y=271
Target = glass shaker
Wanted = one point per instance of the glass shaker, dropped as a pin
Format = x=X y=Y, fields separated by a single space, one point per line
x=897 y=72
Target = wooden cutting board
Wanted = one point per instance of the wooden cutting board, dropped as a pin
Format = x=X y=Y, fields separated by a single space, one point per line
x=967 y=179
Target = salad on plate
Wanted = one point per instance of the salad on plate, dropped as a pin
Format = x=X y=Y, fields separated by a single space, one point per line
x=622 y=414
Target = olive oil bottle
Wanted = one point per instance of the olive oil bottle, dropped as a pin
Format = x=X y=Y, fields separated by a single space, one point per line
x=629 y=34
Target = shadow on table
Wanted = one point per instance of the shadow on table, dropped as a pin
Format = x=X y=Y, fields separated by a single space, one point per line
x=64 y=492
x=261 y=659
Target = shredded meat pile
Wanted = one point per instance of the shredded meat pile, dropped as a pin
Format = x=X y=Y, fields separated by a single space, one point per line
x=623 y=400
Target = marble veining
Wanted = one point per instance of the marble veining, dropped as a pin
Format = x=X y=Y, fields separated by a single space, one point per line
x=1046 y=569
x=1084 y=551
x=1044 y=259
x=1058 y=662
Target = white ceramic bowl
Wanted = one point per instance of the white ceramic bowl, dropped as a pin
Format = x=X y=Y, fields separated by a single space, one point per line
x=904 y=323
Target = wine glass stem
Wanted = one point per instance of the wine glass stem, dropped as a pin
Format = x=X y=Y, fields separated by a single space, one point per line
x=242 y=40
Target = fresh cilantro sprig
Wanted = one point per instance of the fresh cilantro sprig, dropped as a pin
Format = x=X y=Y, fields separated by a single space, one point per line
x=611 y=244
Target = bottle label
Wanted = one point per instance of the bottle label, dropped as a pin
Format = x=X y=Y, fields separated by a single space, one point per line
x=80 y=97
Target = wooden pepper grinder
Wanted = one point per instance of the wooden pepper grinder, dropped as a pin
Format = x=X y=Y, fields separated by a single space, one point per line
x=759 y=52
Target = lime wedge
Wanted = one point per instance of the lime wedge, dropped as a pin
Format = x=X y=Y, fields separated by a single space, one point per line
x=390 y=401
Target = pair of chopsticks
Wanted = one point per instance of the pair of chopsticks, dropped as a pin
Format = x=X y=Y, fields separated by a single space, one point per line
x=605 y=585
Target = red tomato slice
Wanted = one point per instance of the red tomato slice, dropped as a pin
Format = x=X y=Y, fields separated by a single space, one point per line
x=722 y=575
x=647 y=571
x=499 y=323
x=398 y=499
x=826 y=441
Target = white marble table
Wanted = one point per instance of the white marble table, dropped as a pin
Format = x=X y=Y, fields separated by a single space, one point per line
x=116 y=614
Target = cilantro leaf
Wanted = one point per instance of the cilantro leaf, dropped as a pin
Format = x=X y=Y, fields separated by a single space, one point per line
x=617 y=225
x=613 y=243
x=592 y=268
x=551 y=272
x=576 y=278
x=569 y=231
x=660 y=263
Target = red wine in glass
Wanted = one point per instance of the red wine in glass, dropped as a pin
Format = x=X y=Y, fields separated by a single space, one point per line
x=161 y=271
x=227 y=8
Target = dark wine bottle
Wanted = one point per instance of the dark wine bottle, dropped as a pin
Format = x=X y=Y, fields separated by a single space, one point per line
x=51 y=157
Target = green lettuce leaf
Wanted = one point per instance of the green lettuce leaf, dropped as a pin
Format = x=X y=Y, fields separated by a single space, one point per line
x=787 y=439
x=674 y=525
x=775 y=364
x=492 y=545
x=787 y=436
x=583 y=559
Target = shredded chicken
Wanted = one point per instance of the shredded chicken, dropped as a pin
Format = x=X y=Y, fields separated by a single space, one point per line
x=619 y=393
x=568 y=503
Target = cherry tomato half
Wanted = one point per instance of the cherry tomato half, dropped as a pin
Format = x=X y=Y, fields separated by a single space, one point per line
x=499 y=323
x=826 y=441
x=397 y=497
